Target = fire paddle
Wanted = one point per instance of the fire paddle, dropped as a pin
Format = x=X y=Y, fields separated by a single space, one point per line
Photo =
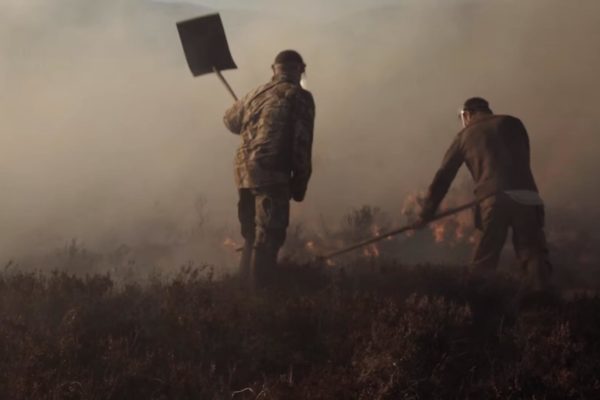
x=205 y=47
x=398 y=231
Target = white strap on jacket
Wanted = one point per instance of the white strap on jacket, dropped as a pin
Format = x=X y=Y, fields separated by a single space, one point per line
x=525 y=197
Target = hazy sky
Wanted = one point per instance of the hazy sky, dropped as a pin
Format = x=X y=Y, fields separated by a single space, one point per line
x=312 y=9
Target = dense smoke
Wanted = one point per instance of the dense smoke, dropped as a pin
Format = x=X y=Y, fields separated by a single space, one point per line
x=106 y=137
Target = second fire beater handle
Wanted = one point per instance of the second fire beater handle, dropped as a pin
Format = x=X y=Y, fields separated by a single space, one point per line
x=398 y=231
x=222 y=78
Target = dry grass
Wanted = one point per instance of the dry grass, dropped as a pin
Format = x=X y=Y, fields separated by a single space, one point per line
x=389 y=333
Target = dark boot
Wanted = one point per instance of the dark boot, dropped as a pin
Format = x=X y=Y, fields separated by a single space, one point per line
x=262 y=265
x=245 y=261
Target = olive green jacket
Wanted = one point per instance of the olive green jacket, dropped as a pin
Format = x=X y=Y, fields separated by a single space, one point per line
x=495 y=149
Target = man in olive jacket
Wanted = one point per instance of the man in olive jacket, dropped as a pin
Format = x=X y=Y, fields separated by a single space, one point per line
x=495 y=149
x=273 y=163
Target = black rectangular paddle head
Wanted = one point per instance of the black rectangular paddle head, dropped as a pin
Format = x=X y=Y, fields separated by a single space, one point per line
x=205 y=44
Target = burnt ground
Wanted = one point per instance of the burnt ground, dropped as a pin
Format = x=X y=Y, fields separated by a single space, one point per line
x=372 y=331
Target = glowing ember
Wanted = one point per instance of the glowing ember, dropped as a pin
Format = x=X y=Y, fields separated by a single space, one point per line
x=439 y=232
x=375 y=251
x=230 y=244
x=371 y=251
x=459 y=234
x=376 y=230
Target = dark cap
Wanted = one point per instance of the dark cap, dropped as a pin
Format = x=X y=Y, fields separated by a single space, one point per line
x=289 y=57
x=476 y=104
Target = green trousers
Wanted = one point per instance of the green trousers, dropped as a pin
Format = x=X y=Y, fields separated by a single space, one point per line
x=264 y=218
x=498 y=214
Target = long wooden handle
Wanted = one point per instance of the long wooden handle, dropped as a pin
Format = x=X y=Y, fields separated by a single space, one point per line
x=398 y=231
x=222 y=78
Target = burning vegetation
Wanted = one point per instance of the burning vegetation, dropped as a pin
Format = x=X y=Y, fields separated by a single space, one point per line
x=453 y=234
x=363 y=326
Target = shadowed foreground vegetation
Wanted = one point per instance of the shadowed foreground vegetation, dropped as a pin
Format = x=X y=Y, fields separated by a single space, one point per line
x=388 y=332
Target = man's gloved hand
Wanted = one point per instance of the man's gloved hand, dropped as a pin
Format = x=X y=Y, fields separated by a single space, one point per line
x=298 y=189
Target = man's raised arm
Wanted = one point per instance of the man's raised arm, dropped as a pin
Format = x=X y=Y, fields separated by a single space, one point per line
x=234 y=116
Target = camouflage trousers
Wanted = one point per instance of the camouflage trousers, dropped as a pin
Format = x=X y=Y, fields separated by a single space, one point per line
x=498 y=214
x=264 y=218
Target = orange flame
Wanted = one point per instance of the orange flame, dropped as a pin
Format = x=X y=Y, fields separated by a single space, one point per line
x=439 y=232
x=311 y=247
x=230 y=243
x=371 y=251
x=376 y=230
x=454 y=230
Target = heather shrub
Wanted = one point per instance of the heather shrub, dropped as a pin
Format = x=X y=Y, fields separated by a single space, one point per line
x=376 y=331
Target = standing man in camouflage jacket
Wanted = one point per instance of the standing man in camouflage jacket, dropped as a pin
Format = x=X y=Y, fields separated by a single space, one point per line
x=273 y=163
x=495 y=149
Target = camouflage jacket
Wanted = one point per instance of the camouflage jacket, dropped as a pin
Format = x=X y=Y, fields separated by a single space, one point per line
x=495 y=149
x=275 y=122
